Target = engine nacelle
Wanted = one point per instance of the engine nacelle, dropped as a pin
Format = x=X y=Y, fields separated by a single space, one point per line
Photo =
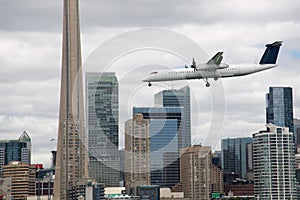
x=223 y=66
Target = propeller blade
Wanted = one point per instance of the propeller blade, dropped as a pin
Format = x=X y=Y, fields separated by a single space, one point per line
x=194 y=65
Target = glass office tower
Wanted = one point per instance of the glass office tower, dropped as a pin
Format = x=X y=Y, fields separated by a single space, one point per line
x=279 y=107
x=102 y=113
x=178 y=98
x=165 y=140
x=297 y=131
x=15 y=150
x=235 y=157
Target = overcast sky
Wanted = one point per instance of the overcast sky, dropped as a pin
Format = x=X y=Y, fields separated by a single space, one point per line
x=30 y=60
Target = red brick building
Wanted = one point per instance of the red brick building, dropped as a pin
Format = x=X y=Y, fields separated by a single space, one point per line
x=240 y=188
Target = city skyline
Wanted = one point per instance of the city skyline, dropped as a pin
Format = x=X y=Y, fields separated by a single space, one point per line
x=31 y=61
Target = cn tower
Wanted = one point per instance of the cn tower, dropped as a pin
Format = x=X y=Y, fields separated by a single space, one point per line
x=71 y=163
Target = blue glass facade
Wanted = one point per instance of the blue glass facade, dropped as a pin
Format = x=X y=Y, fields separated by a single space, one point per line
x=235 y=157
x=15 y=150
x=279 y=107
x=165 y=131
x=178 y=98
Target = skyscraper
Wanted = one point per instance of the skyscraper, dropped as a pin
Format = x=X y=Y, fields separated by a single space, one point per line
x=178 y=98
x=297 y=131
x=102 y=112
x=137 y=152
x=195 y=167
x=15 y=150
x=273 y=163
x=165 y=132
x=279 y=107
x=216 y=180
x=235 y=157
x=71 y=163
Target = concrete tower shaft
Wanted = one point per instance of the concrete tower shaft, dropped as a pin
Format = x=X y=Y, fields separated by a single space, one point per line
x=71 y=164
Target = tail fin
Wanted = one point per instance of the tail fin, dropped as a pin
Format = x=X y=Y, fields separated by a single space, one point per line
x=271 y=53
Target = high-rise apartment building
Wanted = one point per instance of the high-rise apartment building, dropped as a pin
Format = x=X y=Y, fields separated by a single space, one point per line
x=22 y=179
x=235 y=157
x=178 y=98
x=216 y=180
x=137 y=152
x=165 y=140
x=15 y=150
x=195 y=166
x=71 y=161
x=273 y=163
x=216 y=173
x=279 y=107
x=102 y=113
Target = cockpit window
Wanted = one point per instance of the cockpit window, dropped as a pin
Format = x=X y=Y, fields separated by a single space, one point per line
x=153 y=72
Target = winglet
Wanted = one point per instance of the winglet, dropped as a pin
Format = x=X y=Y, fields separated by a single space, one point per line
x=271 y=53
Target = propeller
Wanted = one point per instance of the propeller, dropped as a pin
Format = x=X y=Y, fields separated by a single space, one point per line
x=194 y=65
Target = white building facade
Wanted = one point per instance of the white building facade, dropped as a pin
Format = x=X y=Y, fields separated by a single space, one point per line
x=273 y=164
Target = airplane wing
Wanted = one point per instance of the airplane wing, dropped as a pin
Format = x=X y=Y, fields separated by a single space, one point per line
x=216 y=59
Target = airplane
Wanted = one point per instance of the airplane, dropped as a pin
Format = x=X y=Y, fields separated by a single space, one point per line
x=215 y=69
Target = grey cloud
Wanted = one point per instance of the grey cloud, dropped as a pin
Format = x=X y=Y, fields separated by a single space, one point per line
x=170 y=13
x=29 y=56
x=31 y=15
x=30 y=98
x=35 y=15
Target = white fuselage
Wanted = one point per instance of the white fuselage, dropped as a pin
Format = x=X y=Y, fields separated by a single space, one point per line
x=190 y=73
